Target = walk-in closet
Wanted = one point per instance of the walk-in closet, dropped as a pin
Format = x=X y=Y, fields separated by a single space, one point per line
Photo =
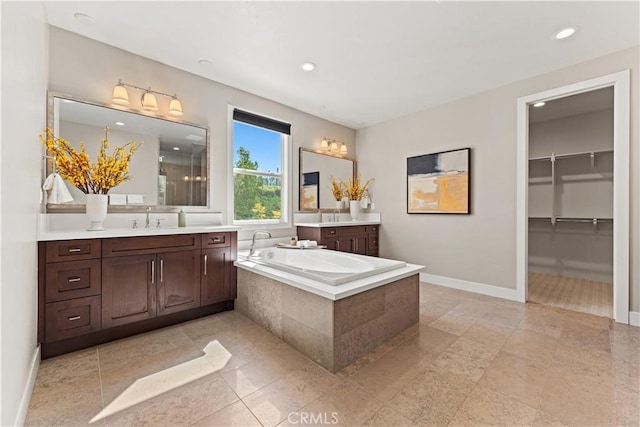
x=570 y=203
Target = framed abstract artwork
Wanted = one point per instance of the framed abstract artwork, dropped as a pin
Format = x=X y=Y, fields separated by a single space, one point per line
x=439 y=182
x=309 y=194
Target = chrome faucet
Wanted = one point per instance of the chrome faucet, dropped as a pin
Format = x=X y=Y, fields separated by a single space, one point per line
x=336 y=216
x=146 y=221
x=253 y=240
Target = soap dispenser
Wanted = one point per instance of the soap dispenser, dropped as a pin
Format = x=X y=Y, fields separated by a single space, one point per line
x=182 y=219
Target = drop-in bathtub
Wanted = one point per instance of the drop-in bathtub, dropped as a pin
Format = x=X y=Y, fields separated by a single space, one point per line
x=330 y=267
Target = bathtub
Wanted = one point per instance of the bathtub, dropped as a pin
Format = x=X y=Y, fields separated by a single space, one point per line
x=330 y=267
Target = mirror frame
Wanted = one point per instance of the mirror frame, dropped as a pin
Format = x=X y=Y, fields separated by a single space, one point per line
x=80 y=207
x=323 y=153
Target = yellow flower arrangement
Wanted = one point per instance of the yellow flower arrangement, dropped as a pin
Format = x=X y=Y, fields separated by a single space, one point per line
x=337 y=188
x=75 y=166
x=354 y=190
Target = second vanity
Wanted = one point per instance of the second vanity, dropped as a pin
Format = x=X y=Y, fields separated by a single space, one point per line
x=95 y=287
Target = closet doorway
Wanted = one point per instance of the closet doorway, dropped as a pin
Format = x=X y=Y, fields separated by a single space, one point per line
x=573 y=200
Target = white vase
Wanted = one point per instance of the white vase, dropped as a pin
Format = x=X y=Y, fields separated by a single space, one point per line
x=96 y=205
x=339 y=204
x=354 y=209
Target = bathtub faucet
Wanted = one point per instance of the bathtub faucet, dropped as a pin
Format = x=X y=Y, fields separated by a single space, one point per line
x=253 y=240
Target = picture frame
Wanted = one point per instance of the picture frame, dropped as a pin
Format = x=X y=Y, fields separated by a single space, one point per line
x=439 y=183
x=309 y=191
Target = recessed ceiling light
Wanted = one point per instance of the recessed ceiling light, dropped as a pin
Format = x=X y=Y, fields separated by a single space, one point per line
x=565 y=32
x=205 y=62
x=176 y=148
x=308 y=66
x=84 y=18
x=120 y=123
x=539 y=104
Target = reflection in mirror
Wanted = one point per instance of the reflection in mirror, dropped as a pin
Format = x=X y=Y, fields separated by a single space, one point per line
x=316 y=168
x=170 y=169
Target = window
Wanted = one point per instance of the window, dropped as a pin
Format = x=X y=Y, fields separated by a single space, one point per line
x=260 y=159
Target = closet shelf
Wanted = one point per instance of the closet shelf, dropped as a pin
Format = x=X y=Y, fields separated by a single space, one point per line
x=571 y=155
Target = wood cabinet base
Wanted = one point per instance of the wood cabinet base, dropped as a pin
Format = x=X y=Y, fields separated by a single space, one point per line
x=88 y=340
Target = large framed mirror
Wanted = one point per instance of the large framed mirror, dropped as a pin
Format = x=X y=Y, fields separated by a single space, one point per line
x=316 y=170
x=170 y=169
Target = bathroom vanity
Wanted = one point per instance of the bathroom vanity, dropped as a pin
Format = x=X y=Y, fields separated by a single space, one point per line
x=97 y=289
x=356 y=237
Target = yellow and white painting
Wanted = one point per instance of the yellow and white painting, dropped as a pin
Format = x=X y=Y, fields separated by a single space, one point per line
x=438 y=183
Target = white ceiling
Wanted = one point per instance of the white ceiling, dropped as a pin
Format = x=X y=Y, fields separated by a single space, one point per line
x=376 y=60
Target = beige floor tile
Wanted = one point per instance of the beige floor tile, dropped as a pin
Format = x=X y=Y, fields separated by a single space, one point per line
x=577 y=401
x=234 y=415
x=387 y=417
x=180 y=407
x=626 y=374
x=595 y=365
x=539 y=318
x=67 y=403
x=432 y=342
x=493 y=336
x=585 y=337
x=627 y=407
x=387 y=375
x=453 y=322
x=516 y=377
x=253 y=376
x=348 y=404
x=68 y=367
x=545 y=420
x=433 y=397
x=273 y=403
x=488 y=408
x=467 y=357
x=531 y=345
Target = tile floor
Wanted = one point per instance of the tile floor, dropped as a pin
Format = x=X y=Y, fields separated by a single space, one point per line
x=472 y=360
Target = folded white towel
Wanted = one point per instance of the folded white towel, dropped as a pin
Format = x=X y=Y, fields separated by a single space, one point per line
x=307 y=243
x=117 y=199
x=58 y=191
x=135 y=199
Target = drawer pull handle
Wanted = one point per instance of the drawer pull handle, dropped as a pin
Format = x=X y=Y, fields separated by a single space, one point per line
x=71 y=250
x=205 y=264
x=72 y=318
x=153 y=271
x=216 y=239
x=161 y=270
x=74 y=279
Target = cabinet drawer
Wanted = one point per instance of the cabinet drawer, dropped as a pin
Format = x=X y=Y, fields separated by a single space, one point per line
x=216 y=240
x=71 y=250
x=329 y=232
x=72 y=279
x=372 y=228
x=372 y=243
x=121 y=246
x=66 y=319
x=351 y=230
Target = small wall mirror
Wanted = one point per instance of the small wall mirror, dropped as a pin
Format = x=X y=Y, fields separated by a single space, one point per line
x=316 y=168
x=171 y=167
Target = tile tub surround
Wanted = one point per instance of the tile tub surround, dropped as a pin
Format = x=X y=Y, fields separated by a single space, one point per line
x=332 y=333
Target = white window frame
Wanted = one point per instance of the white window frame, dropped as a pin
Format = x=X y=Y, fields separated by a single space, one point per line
x=286 y=215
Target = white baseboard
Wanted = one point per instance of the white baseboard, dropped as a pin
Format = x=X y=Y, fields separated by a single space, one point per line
x=478 y=288
x=634 y=318
x=21 y=416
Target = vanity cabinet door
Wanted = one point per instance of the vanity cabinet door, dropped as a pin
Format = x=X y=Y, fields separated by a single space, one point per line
x=128 y=289
x=355 y=244
x=216 y=276
x=178 y=278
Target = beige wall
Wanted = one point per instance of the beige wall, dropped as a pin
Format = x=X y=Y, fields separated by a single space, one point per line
x=24 y=83
x=88 y=69
x=480 y=247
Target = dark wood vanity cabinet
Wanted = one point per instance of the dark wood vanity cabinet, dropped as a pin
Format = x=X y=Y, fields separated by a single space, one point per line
x=116 y=287
x=357 y=239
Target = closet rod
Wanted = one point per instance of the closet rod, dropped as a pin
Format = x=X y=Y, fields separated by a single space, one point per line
x=570 y=155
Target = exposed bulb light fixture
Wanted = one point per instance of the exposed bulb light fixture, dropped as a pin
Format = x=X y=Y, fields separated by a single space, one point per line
x=565 y=32
x=148 y=98
x=539 y=104
x=308 y=66
x=333 y=146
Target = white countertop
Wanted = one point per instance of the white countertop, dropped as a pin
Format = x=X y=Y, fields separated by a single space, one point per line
x=335 y=224
x=132 y=232
x=332 y=292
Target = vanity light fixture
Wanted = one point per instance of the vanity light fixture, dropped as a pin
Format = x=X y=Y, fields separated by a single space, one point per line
x=333 y=146
x=148 y=99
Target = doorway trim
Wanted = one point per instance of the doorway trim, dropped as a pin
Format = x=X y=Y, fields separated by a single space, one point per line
x=621 y=160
